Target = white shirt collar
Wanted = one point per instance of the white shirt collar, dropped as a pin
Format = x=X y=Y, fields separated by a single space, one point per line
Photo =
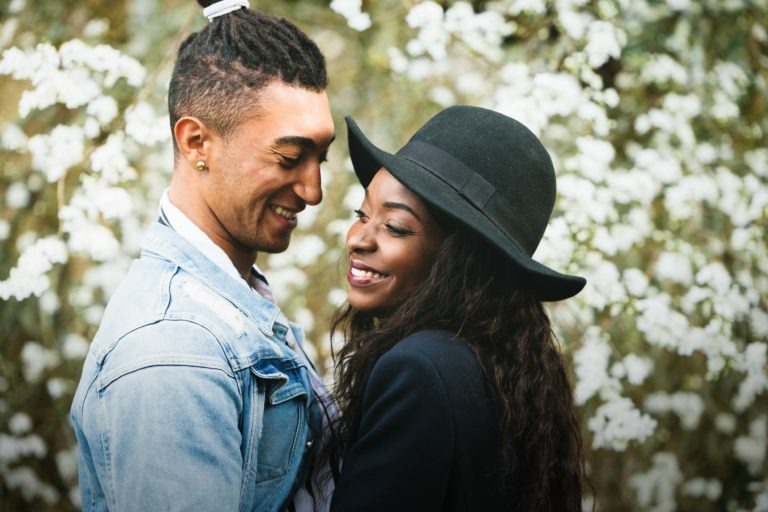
x=184 y=226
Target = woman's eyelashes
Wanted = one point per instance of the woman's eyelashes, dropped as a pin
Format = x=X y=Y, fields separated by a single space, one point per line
x=398 y=231
x=394 y=230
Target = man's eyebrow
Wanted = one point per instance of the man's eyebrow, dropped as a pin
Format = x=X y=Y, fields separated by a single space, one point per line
x=401 y=206
x=304 y=142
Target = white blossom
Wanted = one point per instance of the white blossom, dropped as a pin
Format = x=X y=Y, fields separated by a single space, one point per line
x=617 y=422
x=758 y=322
x=591 y=367
x=674 y=267
x=75 y=347
x=13 y=448
x=679 y=5
x=17 y=195
x=574 y=23
x=604 y=41
x=754 y=365
x=57 y=387
x=66 y=462
x=303 y=251
x=104 y=109
x=605 y=284
x=29 y=277
x=757 y=160
x=20 y=423
x=635 y=281
x=687 y=406
x=725 y=423
x=711 y=489
x=751 y=449
x=96 y=27
x=636 y=368
x=13 y=138
x=111 y=161
x=31 y=487
x=284 y=281
x=656 y=488
x=144 y=126
x=352 y=12
x=337 y=297
x=88 y=237
x=5 y=229
x=16 y=6
x=428 y=18
x=53 y=154
x=527 y=6
x=36 y=359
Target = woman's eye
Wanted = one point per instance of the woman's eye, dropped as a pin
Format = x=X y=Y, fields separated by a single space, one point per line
x=398 y=231
x=360 y=214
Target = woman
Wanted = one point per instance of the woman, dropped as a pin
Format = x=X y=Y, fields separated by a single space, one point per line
x=453 y=393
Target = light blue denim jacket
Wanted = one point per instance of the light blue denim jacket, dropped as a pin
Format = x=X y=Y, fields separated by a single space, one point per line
x=189 y=397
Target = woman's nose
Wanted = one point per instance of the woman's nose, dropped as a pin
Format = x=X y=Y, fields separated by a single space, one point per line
x=360 y=238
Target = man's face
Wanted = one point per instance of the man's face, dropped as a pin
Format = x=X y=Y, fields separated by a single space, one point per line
x=268 y=169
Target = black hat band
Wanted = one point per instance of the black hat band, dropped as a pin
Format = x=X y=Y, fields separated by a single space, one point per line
x=466 y=182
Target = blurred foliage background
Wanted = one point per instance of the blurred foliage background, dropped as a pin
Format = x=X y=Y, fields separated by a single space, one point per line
x=655 y=114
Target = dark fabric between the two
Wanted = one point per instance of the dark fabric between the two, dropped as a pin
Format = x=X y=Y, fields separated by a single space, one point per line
x=426 y=435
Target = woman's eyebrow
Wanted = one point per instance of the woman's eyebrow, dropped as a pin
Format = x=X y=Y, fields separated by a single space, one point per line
x=401 y=206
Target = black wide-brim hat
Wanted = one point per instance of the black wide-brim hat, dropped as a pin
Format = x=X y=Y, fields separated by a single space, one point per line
x=488 y=172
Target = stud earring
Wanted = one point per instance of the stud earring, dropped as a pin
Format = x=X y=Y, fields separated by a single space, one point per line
x=200 y=165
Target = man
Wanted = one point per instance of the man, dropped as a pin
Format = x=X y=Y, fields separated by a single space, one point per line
x=196 y=394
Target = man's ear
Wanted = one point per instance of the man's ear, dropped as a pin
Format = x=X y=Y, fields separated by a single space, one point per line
x=192 y=138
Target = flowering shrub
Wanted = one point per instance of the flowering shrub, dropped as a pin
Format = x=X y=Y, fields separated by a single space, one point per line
x=654 y=113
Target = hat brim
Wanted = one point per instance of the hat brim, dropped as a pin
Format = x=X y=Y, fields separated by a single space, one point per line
x=367 y=159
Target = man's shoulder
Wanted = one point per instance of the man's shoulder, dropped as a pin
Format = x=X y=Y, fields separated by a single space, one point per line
x=150 y=310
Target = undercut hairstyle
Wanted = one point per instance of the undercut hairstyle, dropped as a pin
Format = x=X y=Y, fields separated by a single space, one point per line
x=474 y=291
x=221 y=69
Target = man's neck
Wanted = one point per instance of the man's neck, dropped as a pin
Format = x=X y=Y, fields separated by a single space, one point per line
x=200 y=215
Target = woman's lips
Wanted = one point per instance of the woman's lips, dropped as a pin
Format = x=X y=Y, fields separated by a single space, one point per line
x=361 y=274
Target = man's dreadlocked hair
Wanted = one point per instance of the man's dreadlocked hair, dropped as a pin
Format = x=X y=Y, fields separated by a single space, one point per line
x=221 y=68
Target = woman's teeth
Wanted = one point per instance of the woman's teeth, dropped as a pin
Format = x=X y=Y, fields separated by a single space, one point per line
x=288 y=214
x=366 y=273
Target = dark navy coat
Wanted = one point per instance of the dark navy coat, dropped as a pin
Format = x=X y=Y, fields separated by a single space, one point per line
x=426 y=437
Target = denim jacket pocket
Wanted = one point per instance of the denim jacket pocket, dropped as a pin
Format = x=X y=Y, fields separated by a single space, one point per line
x=283 y=422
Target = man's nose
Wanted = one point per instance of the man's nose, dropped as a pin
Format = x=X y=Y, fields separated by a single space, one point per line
x=308 y=188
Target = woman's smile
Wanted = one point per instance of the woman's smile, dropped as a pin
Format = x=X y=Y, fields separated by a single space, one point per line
x=361 y=274
x=391 y=245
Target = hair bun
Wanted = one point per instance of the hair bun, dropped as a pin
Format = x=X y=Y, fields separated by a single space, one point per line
x=206 y=3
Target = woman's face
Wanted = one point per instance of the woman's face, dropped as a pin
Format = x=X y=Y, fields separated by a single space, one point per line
x=391 y=246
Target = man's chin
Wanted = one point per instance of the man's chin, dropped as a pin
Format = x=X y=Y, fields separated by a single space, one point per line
x=274 y=246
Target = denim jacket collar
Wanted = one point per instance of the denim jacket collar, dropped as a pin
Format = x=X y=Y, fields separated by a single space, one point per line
x=165 y=243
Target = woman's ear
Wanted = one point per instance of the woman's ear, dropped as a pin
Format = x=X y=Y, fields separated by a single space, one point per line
x=192 y=137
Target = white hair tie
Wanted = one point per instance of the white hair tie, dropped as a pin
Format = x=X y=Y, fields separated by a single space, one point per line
x=223 y=7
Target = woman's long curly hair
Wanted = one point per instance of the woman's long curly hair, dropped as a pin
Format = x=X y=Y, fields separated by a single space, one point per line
x=474 y=291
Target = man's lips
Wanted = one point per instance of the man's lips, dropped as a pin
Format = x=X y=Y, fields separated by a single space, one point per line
x=287 y=213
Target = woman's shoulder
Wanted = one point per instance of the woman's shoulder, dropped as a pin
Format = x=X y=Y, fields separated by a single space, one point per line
x=430 y=343
x=441 y=351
